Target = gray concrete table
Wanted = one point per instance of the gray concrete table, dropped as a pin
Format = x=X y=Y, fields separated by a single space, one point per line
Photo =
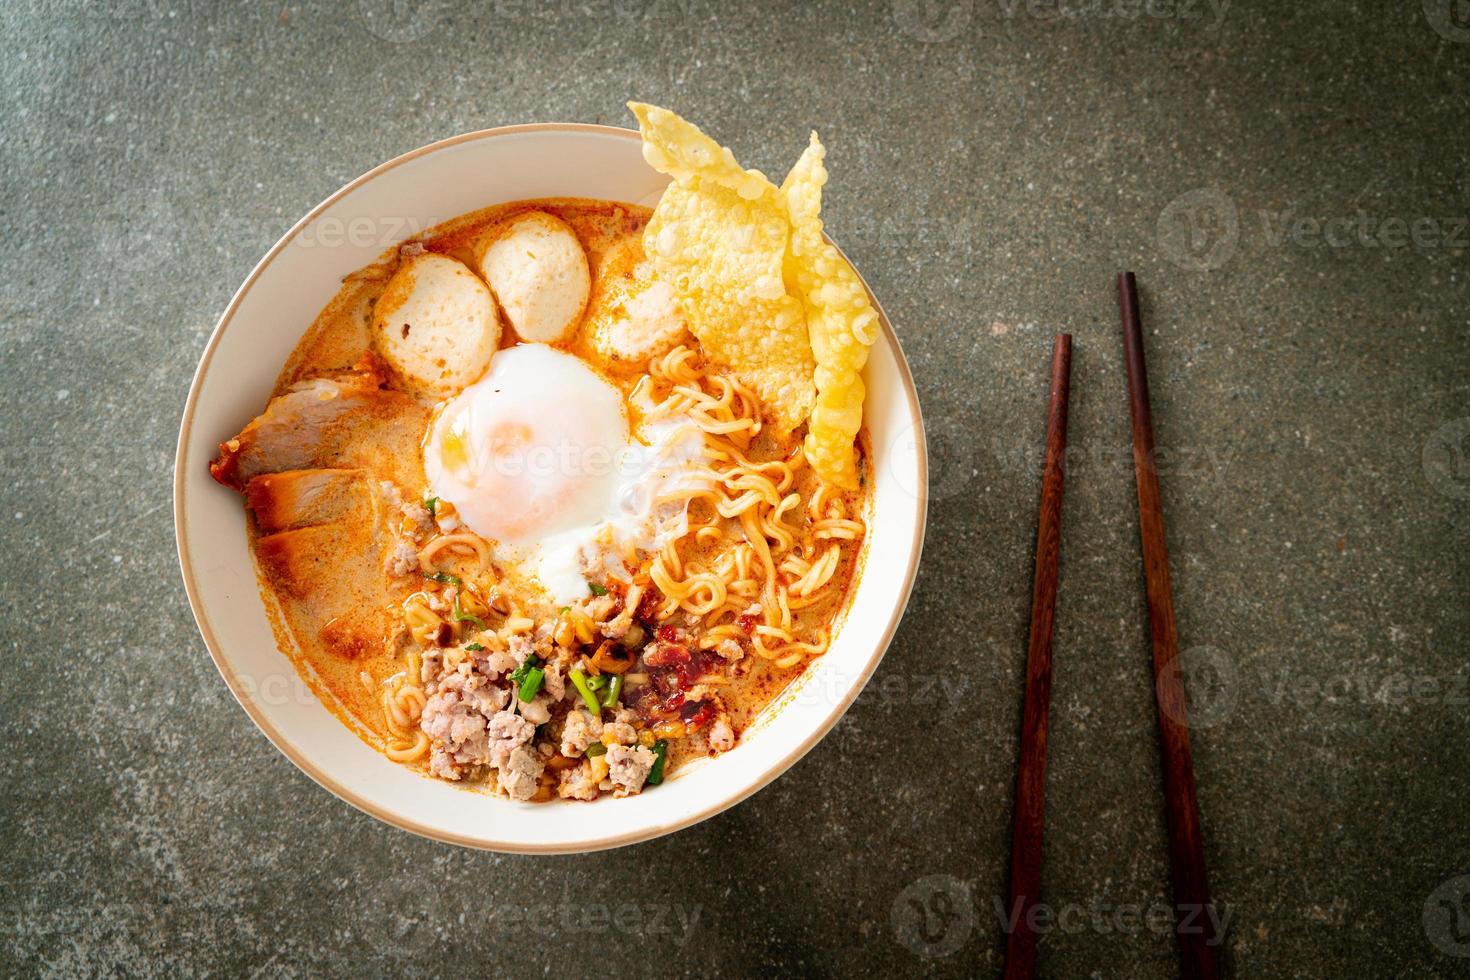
x=1290 y=182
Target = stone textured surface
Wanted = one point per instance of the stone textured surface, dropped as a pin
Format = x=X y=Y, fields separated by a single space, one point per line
x=1290 y=181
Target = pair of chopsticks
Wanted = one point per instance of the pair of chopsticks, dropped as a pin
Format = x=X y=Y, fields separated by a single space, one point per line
x=1186 y=849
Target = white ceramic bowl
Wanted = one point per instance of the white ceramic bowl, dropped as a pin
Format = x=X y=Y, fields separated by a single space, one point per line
x=259 y=329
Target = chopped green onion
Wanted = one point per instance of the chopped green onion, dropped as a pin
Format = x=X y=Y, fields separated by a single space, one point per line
x=596 y=589
x=596 y=749
x=460 y=616
x=531 y=684
x=660 y=752
x=610 y=699
x=431 y=504
x=518 y=676
x=597 y=683
x=579 y=681
x=565 y=609
x=474 y=646
x=444 y=577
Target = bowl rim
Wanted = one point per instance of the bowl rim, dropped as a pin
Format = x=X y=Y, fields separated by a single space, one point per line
x=336 y=787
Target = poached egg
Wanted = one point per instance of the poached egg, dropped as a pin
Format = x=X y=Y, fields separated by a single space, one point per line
x=539 y=458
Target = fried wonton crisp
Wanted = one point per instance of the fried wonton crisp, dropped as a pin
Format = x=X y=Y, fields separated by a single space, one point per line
x=720 y=236
x=840 y=320
x=672 y=145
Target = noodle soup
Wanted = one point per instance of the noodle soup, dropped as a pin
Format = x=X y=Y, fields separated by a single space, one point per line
x=519 y=529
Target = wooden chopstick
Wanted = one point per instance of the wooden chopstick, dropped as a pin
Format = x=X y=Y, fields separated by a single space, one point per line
x=1031 y=772
x=1193 y=914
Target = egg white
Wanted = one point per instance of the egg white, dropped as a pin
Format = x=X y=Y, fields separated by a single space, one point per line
x=537 y=458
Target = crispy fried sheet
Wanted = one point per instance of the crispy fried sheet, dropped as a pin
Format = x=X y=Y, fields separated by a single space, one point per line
x=841 y=322
x=719 y=236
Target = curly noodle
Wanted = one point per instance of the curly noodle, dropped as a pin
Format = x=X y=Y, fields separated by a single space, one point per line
x=754 y=550
x=769 y=561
